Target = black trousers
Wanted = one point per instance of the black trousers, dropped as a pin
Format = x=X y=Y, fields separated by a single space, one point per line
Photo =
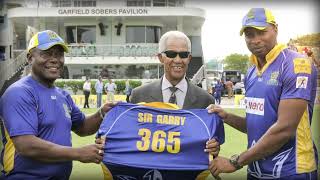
x=128 y=98
x=86 y=99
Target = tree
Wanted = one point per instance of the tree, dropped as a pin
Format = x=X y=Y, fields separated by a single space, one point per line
x=214 y=64
x=237 y=62
x=308 y=40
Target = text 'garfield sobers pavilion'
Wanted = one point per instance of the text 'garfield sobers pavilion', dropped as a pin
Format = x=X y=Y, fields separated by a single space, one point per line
x=114 y=11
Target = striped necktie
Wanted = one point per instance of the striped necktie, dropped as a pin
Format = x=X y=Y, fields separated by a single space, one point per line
x=173 y=98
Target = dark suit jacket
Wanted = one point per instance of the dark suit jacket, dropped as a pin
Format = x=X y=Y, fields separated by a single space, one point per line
x=196 y=98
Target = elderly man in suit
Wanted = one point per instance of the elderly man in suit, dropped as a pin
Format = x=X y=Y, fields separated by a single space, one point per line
x=174 y=87
x=175 y=55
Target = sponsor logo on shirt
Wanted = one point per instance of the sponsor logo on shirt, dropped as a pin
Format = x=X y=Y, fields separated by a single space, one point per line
x=254 y=105
x=302 y=65
x=53 y=97
x=302 y=82
x=273 y=79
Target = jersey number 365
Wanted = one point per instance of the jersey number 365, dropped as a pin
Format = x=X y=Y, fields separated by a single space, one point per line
x=159 y=140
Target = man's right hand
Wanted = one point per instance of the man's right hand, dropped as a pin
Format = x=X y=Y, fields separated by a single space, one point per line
x=91 y=153
x=212 y=108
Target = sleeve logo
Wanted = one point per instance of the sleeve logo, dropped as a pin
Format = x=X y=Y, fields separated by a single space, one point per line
x=302 y=65
x=302 y=82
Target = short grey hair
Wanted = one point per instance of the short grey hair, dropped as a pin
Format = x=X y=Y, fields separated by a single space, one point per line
x=171 y=34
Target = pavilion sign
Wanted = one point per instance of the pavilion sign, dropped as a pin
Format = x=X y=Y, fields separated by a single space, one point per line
x=103 y=11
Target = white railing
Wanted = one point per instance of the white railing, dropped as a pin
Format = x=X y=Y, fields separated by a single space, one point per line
x=127 y=50
x=10 y=67
x=198 y=76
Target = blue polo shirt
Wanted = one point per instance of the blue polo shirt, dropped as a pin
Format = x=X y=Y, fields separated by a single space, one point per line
x=29 y=108
x=287 y=75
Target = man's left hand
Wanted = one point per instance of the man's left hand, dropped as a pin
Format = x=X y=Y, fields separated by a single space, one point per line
x=106 y=107
x=221 y=165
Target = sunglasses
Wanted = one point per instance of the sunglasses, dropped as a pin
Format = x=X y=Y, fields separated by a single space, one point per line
x=173 y=54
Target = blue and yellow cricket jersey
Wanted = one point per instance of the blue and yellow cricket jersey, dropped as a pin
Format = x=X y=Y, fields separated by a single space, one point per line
x=286 y=75
x=29 y=108
x=146 y=139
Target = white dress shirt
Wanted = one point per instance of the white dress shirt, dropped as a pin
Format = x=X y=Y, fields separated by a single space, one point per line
x=180 y=93
x=87 y=86
x=111 y=87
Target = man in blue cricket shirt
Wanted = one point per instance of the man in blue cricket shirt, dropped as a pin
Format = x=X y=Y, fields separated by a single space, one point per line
x=38 y=117
x=280 y=93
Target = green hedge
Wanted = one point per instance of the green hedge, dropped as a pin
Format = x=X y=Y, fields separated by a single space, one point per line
x=76 y=85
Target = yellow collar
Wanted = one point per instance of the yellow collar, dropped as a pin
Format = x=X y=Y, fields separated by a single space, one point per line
x=161 y=105
x=270 y=57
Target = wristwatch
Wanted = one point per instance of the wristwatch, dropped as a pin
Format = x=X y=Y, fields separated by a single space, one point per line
x=234 y=161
